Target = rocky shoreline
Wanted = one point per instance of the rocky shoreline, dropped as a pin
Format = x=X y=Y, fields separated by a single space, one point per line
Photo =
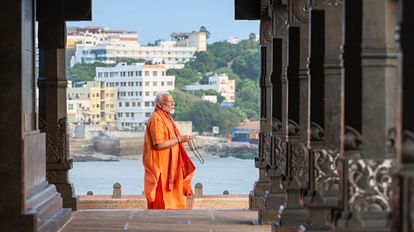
x=91 y=150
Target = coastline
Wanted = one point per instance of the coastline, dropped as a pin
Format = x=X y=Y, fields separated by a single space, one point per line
x=84 y=150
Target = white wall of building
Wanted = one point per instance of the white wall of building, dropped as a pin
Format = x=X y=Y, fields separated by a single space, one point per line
x=137 y=86
x=219 y=83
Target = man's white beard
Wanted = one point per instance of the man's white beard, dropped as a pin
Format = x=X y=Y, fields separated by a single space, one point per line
x=172 y=111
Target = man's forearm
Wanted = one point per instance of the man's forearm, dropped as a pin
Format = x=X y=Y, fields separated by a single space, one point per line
x=166 y=144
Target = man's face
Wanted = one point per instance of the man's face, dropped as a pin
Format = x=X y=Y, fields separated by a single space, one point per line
x=168 y=104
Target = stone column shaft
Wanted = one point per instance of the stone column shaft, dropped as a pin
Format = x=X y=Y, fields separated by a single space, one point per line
x=257 y=196
x=27 y=201
x=52 y=105
x=403 y=196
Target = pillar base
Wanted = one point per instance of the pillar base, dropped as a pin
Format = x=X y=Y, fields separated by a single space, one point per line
x=44 y=214
x=68 y=194
x=268 y=214
x=292 y=219
x=257 y=195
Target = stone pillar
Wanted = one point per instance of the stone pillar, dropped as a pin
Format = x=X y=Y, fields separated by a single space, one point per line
x=294 y=215
x=52 y=99
x=27 y=201
x=262 y=185
x=326 y=113
x=275 y=197
x=367 y=189
x=403 y=195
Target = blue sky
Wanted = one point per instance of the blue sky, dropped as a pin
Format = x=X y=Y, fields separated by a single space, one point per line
x=156 y=19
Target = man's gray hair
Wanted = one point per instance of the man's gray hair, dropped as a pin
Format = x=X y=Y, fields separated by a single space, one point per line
x=159 y=98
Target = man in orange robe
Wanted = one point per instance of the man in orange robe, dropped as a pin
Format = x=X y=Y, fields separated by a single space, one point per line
x=168 y=168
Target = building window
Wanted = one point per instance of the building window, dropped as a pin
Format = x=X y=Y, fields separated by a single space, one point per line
x=154 y=73
x=146 y=73
x=147 y=104
x=154 y=83
x=146 y=93
x=147 y=114
x=147 y=83
x=71 y=106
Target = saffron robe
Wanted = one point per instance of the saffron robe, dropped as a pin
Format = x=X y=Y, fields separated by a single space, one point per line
x=168 y=172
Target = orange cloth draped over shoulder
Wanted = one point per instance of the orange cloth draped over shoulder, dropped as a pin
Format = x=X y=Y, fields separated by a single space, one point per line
x=168 y=172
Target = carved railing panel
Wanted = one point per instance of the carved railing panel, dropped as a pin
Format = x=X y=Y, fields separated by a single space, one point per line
x=326 y=176
x=370 y=185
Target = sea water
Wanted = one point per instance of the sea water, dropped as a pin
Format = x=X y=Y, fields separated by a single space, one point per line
x=216 y=175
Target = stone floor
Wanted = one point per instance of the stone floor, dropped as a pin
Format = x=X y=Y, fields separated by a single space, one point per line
x=210 y=220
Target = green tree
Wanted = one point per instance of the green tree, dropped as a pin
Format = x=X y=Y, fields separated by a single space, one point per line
x=224 y=52
x=184 y=76
x=83 y=72
x=248 y=97
x=183 y=103
x=247 y=66
x=205 y=115
x=203 y=62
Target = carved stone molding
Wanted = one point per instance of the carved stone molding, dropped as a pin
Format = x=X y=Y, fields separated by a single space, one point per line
x=264 y=150
x=407 y=146
x=280 y=22
x=279 y=155
x=300 y=11
x=293 y=128
x=353 y=139
x=370 y=185
x=317 y=132
x=266 y=32
x=276 y=125
x=297 y=169
x=326 y=175
x=56 y=143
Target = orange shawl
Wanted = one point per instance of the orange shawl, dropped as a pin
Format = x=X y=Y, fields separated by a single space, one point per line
x=180 y=169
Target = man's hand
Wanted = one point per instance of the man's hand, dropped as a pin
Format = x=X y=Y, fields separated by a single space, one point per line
x=184 y=138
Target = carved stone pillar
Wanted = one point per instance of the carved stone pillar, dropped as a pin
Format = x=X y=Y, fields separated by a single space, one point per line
x=275 y=197
x=27 y=201
x=326 y=113
x=294 y=215
x=403 y=195
x=367 y=188
x=52 y=99
x=262 y=185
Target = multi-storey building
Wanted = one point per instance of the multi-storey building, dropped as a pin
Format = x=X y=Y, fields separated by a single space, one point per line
x=91 y=35
x=219 y=83
x=94 y=103
x=137 y=86
x=92 y=45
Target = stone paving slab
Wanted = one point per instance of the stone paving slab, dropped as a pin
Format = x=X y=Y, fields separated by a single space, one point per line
x=196 y=220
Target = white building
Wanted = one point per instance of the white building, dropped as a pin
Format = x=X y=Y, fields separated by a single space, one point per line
x=137 y=86
x=91 y=35
x=95 y=44
x=165 y=53
x=219 y=83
